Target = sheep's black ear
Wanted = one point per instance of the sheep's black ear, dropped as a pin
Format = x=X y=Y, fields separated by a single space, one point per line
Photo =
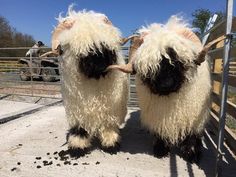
x=172 y=54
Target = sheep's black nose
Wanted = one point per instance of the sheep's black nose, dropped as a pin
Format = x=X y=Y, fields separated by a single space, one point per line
x=95 y=63
x=167 y=83
x=168 y=79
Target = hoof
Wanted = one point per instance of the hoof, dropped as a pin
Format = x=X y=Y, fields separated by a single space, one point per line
x=191 y=154
x=77 y=153
x=71 y=153
x=191 y=149
x=160 y=148
x=112 y=149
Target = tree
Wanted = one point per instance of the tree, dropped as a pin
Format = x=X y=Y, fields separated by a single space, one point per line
x=5 y=33
x=201 y=17
x=10 y=37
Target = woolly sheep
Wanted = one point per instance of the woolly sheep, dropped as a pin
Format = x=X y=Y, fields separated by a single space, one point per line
x=173 y=85
x=94 y=99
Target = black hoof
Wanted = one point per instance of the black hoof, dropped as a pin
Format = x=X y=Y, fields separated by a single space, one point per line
x=112 y=149
x=160 y=148
x=190 y=154
x=191 y=149
x=77 y=153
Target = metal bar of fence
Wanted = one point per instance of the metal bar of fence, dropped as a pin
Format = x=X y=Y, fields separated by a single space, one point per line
x=218 y=53
x=210 y=139
x=33 y=67
x=224 y=88
x=210 y=24
x=31 y=76
x=38 y=75
x=230 y=107
x=231 y=79
x=25 y=88
x=22 y=48
x=28 y=88
x=37 y=95
x=26 y=82
x=24 y=57
x=214 y=27
x=45 y=67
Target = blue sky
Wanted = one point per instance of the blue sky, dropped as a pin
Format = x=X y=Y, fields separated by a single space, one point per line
x=37 y=17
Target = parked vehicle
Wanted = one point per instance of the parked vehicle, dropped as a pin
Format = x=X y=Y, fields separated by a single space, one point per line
x=44 y=66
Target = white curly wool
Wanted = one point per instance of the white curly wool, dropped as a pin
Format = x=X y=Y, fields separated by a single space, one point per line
x=88 y=32
x=93 y=104
x=184 y=112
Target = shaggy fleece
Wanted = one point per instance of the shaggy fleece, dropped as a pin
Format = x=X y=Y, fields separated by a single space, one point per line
x=181 y=113
x=94 y=104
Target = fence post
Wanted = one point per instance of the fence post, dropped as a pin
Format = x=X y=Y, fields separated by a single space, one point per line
x=31 y=73
x=224 y=88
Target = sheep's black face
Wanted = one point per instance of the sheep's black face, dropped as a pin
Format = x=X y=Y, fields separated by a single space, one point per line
x=94 y=65
x=169 y=78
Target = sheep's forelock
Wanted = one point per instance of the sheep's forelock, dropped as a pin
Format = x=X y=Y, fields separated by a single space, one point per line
x=161 y=37
x=89 y=32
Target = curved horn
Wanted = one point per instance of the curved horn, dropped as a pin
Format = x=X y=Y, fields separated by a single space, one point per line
x=128 y=68
x=201 y=56
x=48 y=53
x=65 y=25
x=135 y=43
x=125 y=40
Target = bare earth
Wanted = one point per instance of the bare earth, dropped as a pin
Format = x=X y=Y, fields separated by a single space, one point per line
x=30 y=147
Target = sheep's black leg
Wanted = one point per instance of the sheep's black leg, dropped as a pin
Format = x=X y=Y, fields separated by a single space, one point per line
x=78 y=141
x=160 y=148
x=191 y=147
x=112 y=149
x=110 y=140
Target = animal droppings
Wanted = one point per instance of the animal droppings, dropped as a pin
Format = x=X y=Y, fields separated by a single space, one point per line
x=85 y=163
x=13 y=169
x=67 y=162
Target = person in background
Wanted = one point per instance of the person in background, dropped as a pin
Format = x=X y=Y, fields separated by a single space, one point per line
x=35 y=49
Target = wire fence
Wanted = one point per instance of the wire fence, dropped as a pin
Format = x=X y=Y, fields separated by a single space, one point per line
x=31 y=76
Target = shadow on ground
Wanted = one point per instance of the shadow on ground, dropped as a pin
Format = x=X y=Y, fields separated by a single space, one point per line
x=136 y=139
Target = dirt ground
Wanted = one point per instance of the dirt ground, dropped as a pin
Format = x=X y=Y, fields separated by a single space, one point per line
x=34 y=145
